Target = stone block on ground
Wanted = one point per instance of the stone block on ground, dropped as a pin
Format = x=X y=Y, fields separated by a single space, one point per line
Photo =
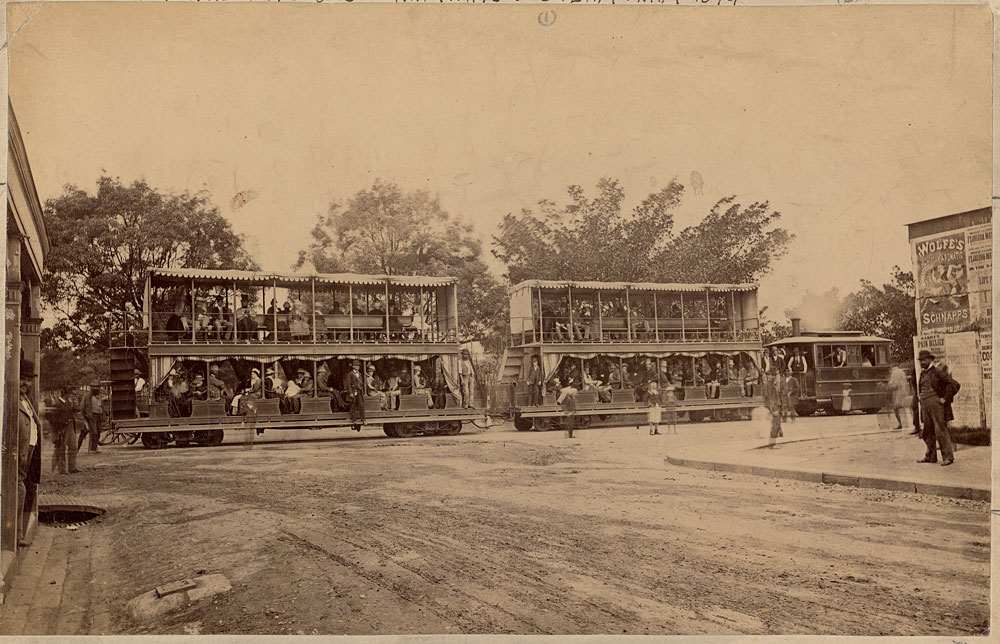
x=149 y=605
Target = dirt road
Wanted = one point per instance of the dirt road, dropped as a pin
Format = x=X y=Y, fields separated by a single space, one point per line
x=504 y=532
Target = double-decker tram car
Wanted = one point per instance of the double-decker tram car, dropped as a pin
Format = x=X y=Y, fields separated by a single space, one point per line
x=225 y=350
x=838 y=371
x=603 y=343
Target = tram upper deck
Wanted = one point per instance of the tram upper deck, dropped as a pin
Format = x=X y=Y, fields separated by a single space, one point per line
x=602 y=313
x=210 y=311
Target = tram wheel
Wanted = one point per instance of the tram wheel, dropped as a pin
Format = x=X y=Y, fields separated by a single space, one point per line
x=132 y=439
x=155 y=440
x=407 y=430
x=451 y=427
x=209 y=437
x=545 y=424
x=390 y=429
x=522 y=424
x=871 y=410
x=583 y=422
x=697 y=416
x=805 y=408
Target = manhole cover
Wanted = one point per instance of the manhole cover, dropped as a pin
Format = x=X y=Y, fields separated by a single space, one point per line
x=66 y=511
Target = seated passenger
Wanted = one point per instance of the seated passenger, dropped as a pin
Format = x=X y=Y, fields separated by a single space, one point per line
x=569 y=390
x=217 y=389
x=222 y=318
x=299 y=329
x=391 y=389
x=246 y=325
x=421 y=386
x=373 y=387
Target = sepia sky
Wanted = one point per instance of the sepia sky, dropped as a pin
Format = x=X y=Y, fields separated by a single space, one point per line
x=852 y=121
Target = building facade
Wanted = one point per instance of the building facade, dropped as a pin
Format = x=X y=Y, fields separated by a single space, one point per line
x=953 y=272
x=27 y=245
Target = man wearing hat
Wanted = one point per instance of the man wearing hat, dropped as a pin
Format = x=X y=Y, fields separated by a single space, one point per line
x=354 y=395
x=467 y=377
x=217 y=388
x=932 y=389
x=28 y=430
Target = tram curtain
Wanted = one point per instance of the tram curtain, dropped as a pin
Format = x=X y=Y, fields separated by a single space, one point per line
x=520 y=311
x=550 y=362
x=159 y=368
x=449 y=364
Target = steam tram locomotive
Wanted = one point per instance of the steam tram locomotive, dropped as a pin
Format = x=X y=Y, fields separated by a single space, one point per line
x=841 y=370
x=610 y=339
x=215 y=327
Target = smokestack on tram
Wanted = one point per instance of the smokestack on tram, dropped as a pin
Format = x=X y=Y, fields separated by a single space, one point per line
x=609 y=340
x=224 y=350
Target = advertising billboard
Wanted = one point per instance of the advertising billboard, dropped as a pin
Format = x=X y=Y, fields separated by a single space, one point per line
x=942 y=282
x=961 y=352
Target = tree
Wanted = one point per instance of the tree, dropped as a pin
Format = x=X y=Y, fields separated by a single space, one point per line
x=102 y=244
x=732 y=244
x=887 y=312
x=771 y=330
x=384 y=230
x=591 y=239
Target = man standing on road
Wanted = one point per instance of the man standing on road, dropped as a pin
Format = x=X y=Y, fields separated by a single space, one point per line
x=467 y=376
x=933 y=389
x=774 y=403
x=64 y=416
x=791 y=397
x=92 y=417
x=28 y=430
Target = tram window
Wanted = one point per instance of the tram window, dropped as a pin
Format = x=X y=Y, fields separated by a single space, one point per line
x=883 y=357
x=868 y=355
x=826 y=355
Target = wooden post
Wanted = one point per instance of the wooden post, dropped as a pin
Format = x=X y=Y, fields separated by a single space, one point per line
x=420 y=305
x=708 y=314
x=149 y=307
x=683 y=333
x=656 y=322
x=600 y=323
x=236 y=318
x=312 y=283
x=386 y=310
x=274 y=294
x=732 y=314
x=194 y=314
x=350 y=309
x=541 y=316
x=621 y=373
x=569 y=298
x=628 y=316
x=315 y=375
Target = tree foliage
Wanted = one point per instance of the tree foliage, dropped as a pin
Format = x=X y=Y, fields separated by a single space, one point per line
x=388 y=231
x=886 y=311
x=102 y=244
x=592 y=239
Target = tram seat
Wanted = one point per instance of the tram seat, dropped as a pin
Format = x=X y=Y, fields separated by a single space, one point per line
x=315 y=406
x=695 y=393
x=623 y=396
x=413 y=403
x=587 y=397
x=613 y=324
x=207 y=408
x=267 y=407
x=730 y=391
x=366 y=322
x=549 y=399
x=159 y=410
x=373 y=404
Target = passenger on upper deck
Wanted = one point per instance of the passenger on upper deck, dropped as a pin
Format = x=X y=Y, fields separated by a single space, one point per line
x=222 y=318
x=246 y=325
x=299 y=329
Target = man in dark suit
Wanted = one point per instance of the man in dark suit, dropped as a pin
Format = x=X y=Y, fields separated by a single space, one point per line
x=933 y=388
x=354 y=394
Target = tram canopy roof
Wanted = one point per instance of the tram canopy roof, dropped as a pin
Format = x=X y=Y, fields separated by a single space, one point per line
x=183 y=275
x=833 y=337
x=635 y=286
